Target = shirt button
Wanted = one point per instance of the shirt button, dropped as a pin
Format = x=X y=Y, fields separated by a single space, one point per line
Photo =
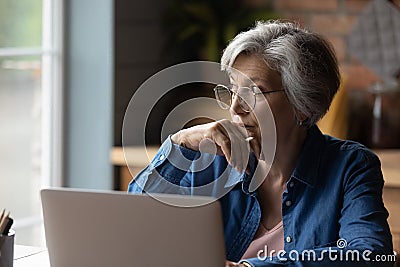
x=288 y=203
x=288 y=239
x=162 y=157
x=291 y=184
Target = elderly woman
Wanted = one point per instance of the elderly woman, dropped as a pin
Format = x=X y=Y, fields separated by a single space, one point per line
x=318 y=194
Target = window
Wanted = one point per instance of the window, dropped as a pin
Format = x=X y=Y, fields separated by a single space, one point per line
x=30 y=110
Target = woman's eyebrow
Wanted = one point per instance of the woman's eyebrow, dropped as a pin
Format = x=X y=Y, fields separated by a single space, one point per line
x=251 y=79
x=258 y=79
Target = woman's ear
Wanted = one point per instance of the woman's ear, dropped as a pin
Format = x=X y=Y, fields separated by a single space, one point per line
x=300 y=117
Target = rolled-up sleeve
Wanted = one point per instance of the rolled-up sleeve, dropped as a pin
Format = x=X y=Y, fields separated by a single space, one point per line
x=166 y=171
x=179 y=170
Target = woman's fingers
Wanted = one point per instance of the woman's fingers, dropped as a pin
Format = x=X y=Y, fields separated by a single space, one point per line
x=240 y=148
x=223 y=142
x=192 y=137
x=228 y=137
x=233 y=264
x=243 y=147
x=230 y=264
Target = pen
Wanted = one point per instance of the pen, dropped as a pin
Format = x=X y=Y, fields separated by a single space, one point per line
x=2 y=214
x=249 y=138
x=8 y=226
x=4 y=222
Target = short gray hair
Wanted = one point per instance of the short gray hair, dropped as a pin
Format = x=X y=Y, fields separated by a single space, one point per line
x=305 y=61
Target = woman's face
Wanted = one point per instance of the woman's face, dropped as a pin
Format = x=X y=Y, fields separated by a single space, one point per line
x=258 y=122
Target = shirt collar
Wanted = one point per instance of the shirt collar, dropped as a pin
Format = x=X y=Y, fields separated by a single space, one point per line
x=307 y=167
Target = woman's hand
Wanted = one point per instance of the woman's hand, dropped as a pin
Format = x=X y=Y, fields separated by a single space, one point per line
x=230 y=264
x=222 y=137
x=233 y=264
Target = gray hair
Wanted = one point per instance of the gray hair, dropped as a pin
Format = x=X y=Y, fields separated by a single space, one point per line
x=305 y=61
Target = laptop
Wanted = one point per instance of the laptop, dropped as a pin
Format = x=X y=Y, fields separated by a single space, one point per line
x=109 y=228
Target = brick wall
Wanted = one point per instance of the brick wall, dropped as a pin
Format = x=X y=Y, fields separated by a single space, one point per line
x=334 y=19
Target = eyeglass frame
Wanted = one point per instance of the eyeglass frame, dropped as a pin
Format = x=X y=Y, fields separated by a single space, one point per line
x=232 y=94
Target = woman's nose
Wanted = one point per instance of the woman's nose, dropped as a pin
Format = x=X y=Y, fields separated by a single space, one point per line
x=235 y=106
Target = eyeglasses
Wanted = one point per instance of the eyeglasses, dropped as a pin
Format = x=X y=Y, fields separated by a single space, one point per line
x=246 y=96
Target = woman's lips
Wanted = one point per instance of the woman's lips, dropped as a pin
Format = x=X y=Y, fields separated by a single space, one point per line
x=251 y=131
x=248 y=127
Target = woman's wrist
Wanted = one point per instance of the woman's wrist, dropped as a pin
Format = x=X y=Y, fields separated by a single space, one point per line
x=175 y=138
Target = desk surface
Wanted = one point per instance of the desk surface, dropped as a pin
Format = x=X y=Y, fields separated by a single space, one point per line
x=135 y=155
x=27 y=256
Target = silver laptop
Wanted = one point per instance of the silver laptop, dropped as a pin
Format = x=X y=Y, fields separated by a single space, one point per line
x=97 y=228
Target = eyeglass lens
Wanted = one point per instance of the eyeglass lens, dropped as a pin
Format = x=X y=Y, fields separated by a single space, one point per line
x=224 y=96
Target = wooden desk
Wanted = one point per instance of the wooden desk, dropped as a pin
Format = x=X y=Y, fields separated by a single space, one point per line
x=27 y=256
x=138 y=158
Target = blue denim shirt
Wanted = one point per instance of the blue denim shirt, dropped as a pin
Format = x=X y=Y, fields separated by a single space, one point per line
x=332 y=204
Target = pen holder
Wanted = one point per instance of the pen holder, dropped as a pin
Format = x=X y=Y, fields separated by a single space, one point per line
x=7 y=249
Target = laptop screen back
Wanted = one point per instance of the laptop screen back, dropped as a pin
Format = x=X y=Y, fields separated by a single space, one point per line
x=94 y=228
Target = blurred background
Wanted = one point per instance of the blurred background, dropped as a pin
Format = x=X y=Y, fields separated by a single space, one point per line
x=68 y=69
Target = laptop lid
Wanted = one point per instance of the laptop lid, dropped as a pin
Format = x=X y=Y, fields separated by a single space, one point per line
x=97 y=228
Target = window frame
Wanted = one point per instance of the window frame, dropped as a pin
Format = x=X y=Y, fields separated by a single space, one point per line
x=52 y=94
x=52 y=97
